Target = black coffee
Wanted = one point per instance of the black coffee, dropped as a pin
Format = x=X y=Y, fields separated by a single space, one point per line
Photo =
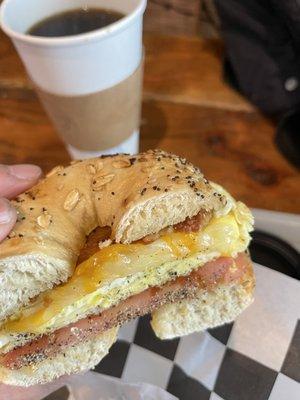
x=75 y=22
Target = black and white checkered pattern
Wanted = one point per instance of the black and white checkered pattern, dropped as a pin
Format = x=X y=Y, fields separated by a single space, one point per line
x=200 y=366
x=256 y=358
x=223 y=363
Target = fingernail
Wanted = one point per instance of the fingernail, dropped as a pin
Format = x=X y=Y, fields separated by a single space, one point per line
x=6 y=213
x=25 y=171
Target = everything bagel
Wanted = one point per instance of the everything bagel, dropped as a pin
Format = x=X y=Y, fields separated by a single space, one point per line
x=135 y=196
x=162 y=220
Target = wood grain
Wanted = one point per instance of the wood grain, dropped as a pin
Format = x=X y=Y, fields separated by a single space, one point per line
x=234 y=148
x=180 y=70
x=175 y=17
x=187 y=110
x=189 y=71
x=12 y=74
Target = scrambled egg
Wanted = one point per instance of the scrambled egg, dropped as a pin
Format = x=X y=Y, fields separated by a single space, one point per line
x=119 y=271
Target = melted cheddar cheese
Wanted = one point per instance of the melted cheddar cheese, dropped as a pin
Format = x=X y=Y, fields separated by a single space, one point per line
x=122 y=270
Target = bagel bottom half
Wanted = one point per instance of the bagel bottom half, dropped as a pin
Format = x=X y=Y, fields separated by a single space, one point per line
x=72 y=360
x=210 y=308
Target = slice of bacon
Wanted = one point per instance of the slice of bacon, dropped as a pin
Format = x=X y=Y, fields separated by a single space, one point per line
x=222 y=270
x=194 y=224
x=101 y=234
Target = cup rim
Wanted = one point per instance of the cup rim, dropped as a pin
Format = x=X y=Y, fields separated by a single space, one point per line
x=74 y=39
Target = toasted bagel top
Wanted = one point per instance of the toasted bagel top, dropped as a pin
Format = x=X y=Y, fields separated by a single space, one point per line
x=134 y=195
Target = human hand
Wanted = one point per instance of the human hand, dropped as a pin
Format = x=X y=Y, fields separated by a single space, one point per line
x=14 y=180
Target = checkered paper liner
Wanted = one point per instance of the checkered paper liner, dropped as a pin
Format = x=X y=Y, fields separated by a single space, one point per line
x=256 y=358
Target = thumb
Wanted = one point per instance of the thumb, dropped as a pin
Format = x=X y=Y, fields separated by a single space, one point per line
x=8 y=217
x=15 y=179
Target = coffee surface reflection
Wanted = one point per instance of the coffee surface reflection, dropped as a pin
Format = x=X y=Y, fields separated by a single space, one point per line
x=75 y=22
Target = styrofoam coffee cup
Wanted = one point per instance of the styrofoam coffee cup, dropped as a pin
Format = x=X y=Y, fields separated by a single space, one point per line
x=90 y=84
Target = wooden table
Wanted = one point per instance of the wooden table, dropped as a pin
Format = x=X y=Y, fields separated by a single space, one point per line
x=187 y=110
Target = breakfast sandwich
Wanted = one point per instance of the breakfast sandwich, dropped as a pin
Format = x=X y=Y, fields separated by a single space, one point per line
x=106 y=240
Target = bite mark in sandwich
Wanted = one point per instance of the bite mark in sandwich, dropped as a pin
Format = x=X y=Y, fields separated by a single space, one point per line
x=174 y=238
